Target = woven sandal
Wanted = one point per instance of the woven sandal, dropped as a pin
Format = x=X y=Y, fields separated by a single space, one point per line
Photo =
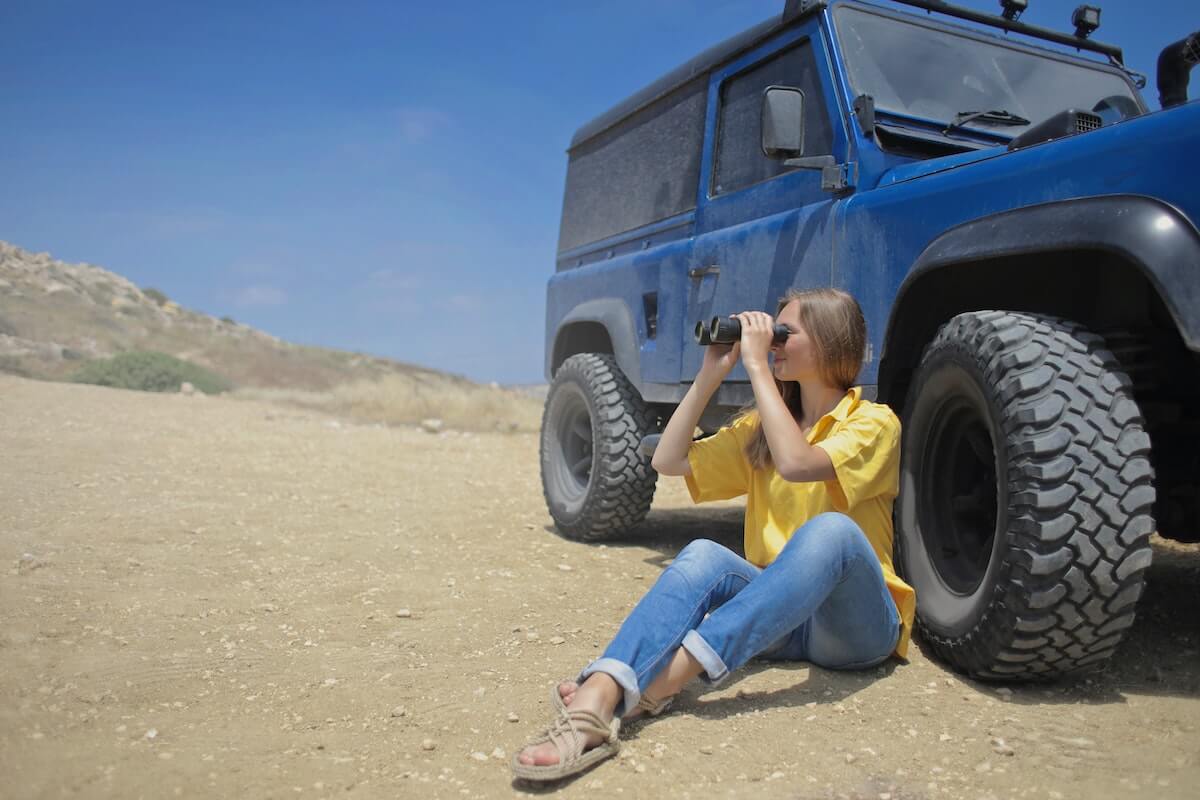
x=556 y=701
x=648 y=706
x=567 y=735
x=652 y=707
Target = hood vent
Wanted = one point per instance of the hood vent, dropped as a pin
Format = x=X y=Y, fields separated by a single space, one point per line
x=1085 y=122
x=1064 y=123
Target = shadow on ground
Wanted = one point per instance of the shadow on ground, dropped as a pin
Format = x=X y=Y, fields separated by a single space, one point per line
x=669 y=531
x=1160 y=654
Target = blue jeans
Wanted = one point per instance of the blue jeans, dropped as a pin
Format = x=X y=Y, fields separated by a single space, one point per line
x=822 y=600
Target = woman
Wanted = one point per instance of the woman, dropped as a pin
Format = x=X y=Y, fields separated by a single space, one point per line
x=820 y=468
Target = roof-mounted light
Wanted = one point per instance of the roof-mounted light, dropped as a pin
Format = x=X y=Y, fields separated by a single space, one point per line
x=1086 y=20
x=1013 y=9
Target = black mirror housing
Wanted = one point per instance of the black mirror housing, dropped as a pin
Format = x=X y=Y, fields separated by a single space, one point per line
x=782 y=122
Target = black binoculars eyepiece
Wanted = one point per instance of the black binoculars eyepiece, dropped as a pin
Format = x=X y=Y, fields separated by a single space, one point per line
x=727 y=330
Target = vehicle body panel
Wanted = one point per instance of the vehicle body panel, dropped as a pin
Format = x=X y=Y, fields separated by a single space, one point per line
x=880 y=236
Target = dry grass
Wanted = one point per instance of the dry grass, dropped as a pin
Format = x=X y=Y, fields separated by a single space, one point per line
x=409 y=398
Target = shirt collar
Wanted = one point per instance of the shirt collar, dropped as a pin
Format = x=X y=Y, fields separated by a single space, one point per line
x=839 y=413
x=846 y=404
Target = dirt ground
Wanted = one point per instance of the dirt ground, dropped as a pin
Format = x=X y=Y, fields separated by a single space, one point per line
x=205 y=597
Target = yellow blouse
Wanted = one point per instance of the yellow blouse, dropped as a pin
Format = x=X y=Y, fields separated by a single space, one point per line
x=863 y=442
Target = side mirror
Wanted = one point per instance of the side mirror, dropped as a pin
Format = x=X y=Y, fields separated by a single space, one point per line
x=782 y=122
x=783 y=138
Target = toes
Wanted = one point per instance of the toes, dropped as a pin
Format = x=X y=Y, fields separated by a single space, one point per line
x=538 y=757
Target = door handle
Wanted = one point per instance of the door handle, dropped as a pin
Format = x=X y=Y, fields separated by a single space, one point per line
x=699 y=272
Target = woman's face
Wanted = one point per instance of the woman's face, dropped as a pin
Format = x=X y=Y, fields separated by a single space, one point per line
x=795 y=359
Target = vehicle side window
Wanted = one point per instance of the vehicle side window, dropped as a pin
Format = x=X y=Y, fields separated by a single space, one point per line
x=643 y=169
x=740 y=161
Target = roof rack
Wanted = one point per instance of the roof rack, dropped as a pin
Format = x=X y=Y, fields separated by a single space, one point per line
x=1048 y=34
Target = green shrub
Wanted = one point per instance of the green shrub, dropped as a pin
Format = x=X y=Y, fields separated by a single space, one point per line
x=156 y=295
x=229 y=320
x=149 y=372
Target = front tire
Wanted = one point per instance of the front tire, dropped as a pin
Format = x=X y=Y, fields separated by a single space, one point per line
x=596 y=482
x=1024 y=515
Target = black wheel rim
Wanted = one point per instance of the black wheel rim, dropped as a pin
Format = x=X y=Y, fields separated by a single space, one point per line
x=958 y=496
x=575 y=442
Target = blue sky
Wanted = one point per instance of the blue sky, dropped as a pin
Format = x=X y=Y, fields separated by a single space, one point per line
x=383 y=177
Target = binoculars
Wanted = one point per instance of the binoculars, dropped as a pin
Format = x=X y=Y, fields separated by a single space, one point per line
x=727 y=330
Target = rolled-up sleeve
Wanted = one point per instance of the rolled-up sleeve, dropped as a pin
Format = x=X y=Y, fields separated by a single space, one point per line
x=865 y=451
x=720 y=470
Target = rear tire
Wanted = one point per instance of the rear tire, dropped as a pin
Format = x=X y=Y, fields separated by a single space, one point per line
x=596 y=482
x=1024 y=515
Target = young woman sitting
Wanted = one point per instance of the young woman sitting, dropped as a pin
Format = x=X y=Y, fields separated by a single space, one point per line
x=819 y=467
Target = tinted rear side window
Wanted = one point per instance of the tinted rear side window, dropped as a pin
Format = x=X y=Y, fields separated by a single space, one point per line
x=640 y=171
x=740 y=159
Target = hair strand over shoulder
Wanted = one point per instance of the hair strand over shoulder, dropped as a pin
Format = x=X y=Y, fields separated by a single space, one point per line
x=835 y=323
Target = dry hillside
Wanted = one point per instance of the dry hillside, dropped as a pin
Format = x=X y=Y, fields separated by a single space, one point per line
x=54 y=316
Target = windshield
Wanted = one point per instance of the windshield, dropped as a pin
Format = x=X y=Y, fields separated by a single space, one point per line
x=937 y=75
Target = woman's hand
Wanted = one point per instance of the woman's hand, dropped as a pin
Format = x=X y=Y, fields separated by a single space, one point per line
x=758 y=331
x=720 y=359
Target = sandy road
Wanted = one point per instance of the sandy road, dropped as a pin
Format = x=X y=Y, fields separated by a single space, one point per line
x=207 y=597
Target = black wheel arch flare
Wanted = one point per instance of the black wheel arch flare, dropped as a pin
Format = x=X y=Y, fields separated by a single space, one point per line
x=582 y=328
x=1142 y=233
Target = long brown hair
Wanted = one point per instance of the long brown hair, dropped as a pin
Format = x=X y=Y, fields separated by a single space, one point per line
x=834 y=321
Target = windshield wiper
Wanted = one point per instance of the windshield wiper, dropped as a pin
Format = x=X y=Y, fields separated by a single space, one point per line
x=996 y=117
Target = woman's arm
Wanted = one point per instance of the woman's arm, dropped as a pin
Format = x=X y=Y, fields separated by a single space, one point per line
x=670 y=457
x=795 y=459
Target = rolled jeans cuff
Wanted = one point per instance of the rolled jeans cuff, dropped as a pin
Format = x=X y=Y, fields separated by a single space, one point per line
x=625 y=677
x=715 y=670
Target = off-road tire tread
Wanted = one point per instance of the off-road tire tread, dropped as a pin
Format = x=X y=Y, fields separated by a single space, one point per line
x=622 y=482
x=1081 y=497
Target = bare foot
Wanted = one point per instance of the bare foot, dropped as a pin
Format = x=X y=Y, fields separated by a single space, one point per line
x=546 y=754
x=567 y=689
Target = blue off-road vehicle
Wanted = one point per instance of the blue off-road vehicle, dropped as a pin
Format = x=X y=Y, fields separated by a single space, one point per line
x=1021 y=231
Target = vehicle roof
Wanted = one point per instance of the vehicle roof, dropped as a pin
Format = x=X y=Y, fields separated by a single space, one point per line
x=713 y=56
